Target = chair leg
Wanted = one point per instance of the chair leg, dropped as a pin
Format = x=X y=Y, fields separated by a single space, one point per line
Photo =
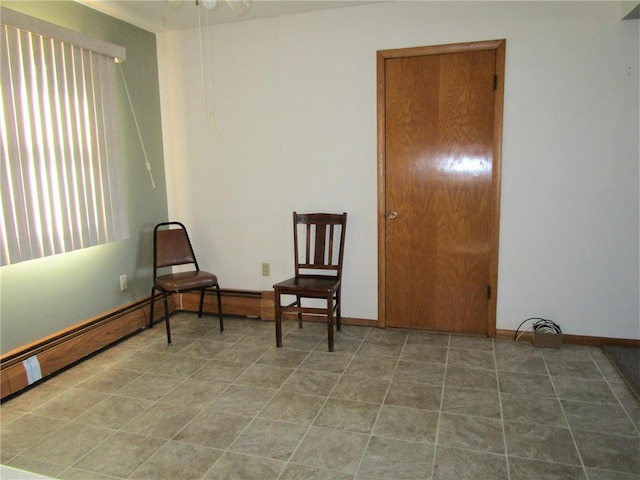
x=338 y=313
x=201 y=303
x=151 y=303
x=220 y=308
x=330 y=332
x=166 y=316
x=299 y=303
x=278 y=319
x=330 y=321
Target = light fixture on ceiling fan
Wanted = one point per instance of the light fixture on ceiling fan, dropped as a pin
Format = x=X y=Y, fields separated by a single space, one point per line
x=239 y=7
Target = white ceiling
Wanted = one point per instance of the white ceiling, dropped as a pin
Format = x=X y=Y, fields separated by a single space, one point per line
x=166 y=15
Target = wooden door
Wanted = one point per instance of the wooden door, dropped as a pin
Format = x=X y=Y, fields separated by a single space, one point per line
x=440 y=188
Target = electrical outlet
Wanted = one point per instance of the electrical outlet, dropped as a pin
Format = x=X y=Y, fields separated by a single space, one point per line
x=123 y=282
x=266 y=269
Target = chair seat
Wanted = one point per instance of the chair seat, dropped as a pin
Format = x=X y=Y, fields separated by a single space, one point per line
x=175 y=282
x=311 y=285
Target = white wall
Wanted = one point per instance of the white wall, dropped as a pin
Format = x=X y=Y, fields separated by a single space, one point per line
x=295 y=104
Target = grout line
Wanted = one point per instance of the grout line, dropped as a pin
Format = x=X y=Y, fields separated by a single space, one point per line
x=444 y=383
x=373 y=425
x=326 y=400
x=566 y=419
x=255 y=416
x=504 y=432
x=615 y=394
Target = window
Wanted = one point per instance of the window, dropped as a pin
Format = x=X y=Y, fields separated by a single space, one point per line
x=60 y=152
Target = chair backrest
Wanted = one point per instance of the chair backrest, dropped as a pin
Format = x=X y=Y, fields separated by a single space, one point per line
x=319 y=243
x=171 y=246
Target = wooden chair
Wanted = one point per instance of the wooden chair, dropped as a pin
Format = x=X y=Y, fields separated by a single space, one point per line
x=318 y=250
x=172 y=247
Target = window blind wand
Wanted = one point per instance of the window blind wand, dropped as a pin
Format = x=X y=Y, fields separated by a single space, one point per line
x=135 y=120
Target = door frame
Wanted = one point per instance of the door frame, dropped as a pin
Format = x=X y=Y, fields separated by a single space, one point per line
x=494 y=232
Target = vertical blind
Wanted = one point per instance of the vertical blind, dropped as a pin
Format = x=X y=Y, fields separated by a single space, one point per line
x=60 y=154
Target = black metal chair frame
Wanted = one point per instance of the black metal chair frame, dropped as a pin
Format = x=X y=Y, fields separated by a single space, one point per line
x=194 y=280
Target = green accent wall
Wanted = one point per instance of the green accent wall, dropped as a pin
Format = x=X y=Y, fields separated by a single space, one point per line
x=41 y=297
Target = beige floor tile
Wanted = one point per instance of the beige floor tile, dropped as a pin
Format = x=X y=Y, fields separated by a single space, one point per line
x=472 y=378
x=524 y=469
x=150 y=386
x=34 y=397
x=264 y=376
x=36 y=466
x=313 y=383
x=532 y=409
x=212 y=428
x=161 y=420
x=473 y=433
x=348 y=415
x=331 y=362
x=69 y=404
x=113 y=412
x=484 y=403
x=416 y=372
x=283 y=439
x=69 y=444
x=361 y=389
x=177 y=461
x=414 y=395
x=195 y=393
x=472 y=358
x=606 y=451
x=120 y=454
x=398 y=459
x=220 y=371
x=457 y=464
x=331 y=449
x=205 y=348
x=142 y=361
x=179 y=365
x=297 y=472
x=241 y=400
x=283 y=357
x=541 y=442
x=526 y=384
x=25 y=432
x=595 y=417
x=109 y=380
x=406 y=424
x=293 y=407
x=424 y=353
x=372 y=366
x=235 y=465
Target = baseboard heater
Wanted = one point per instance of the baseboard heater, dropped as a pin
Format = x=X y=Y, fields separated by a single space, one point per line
x=29 y=364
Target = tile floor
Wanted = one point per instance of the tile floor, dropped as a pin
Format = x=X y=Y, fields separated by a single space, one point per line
x=387 y=404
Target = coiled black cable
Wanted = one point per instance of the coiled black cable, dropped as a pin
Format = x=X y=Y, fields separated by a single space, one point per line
x=541 y=325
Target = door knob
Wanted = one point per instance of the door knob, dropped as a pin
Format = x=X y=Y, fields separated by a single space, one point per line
x=393 y=215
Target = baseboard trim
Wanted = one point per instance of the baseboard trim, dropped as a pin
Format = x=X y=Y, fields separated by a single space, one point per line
x=251 y=303
x=576 y=339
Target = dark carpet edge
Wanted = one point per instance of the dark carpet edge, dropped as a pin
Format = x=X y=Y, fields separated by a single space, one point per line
x=626 y=360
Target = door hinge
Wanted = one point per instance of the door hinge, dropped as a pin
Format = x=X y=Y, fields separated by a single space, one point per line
x=488 y=292
x=495 y=82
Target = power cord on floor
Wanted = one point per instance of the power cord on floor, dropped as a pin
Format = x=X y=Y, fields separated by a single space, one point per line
x=542 y=325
